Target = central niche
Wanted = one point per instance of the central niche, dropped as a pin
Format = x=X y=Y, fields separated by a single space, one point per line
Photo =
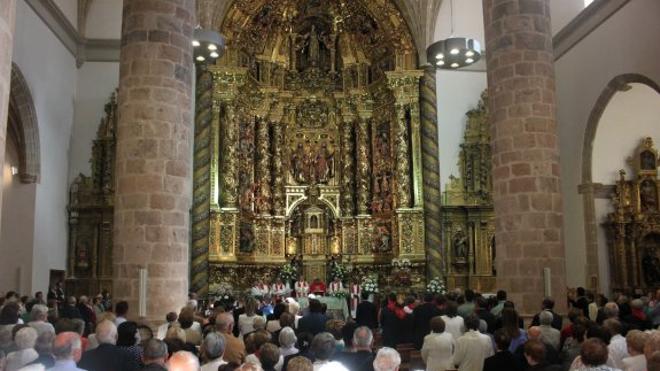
x=305 y=140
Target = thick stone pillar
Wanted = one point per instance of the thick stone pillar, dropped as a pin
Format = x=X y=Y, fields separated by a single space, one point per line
x=526 y=179
x=7 y=18
x=153 y=163
x=431 y=173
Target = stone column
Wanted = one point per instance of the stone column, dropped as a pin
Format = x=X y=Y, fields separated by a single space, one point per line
x=363 y=165
x=525 y=152
x=347 y=184
x=153 y=163
x=402 y=158
x=7 y=18
x=431 y=173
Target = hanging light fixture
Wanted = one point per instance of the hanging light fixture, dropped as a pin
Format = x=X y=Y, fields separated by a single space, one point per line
x=453 y=52
x=208 y=45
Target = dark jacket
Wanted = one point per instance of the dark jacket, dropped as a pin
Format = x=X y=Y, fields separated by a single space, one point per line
x=394 y=331
x=70 y=312
x=422 y=315
x=153 y=367
x=544 y=367
x=366 y=314
x=356 y=361
x=488 y=317
x=502 y=361
x=313 y=323
x=108 y=357
x=551 y=357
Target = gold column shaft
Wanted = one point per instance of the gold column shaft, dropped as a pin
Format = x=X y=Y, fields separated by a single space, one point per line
x=262 y=175
x=402 y=158
x=363 y=177
x=230 y=145
x=347 y=171
x=278 y=170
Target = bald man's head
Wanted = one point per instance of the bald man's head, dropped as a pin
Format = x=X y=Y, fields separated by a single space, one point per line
x=534 y=332
x=224 y=323
x=183 y=361
x=67 y=346
x=106 y=332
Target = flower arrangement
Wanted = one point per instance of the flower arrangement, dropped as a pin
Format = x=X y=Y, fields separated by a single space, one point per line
x=337 y=270
x=403 y=263
x=370 y=284
x=339 y=294
x=436 y=286
x=288 y=272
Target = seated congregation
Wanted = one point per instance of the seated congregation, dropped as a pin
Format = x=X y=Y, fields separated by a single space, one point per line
x=456 y=331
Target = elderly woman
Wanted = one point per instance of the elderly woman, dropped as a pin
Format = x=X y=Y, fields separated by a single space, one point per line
x=246 y=320
x=25 y=340
x=636 y=340
x=593 y=357
x=287 y=341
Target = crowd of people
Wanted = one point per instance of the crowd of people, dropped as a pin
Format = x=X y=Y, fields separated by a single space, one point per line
x=460 y=330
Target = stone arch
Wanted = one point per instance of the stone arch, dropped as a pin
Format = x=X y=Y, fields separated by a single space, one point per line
x=616 y=84
x=22 y=125
x=587 y=188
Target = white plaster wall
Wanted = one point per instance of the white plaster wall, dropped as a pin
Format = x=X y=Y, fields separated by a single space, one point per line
x=104 y=20
x=563 y=11
x=96 y=82
x=50 y=72
x=625 y=43
x=629 y=117
x=70 y=10
x=17 y=231
x=457 y=91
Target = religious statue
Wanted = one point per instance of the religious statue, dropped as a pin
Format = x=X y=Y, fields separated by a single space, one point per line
x=648 y=195
x=310 y=168
x=459 y=245
x=246 y=243
x=382 y=239
x=647 y=160
x=651 y=267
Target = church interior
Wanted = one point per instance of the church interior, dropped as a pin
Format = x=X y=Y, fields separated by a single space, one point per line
x=153 y=149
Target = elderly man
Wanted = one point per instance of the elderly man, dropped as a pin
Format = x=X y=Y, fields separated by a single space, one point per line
x=387 y=359
x=287 y=340
x=548 y=305
x=213 y=348
x=550 y=335
x=154 y=355
x=234 y=347
x=107 y=356
x=67 y=349
x=361 y=358
x=636 y=341
x=183 y=361
x=25 y=340
x=39 y=314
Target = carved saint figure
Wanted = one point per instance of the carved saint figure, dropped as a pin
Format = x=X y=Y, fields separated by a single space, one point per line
x=246 y=243
x=648 y=195
x=459 y=244
x=382 y=240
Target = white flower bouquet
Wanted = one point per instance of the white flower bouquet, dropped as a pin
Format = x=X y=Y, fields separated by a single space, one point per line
x=288 y=272
x=369 y=285
x=436 y=286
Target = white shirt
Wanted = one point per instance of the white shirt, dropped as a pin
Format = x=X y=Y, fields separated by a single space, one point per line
x=634 y=363
x=438 y=351
x=246 y=323
x=20 y=358
x=455 y=326
x=213 y=365
x=471 y=351
x=618 y=350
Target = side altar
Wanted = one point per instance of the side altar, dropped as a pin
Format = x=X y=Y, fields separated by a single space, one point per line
x=308 y=147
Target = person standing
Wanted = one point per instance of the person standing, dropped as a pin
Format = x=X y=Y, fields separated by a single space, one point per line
x=438 y=347
x=473 y=347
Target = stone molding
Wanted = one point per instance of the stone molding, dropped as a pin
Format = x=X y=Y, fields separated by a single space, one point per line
x=107 y=50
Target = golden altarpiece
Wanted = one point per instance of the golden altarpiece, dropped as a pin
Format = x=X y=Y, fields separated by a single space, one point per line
x=467 y=209
x=89 y=267
x=307 y=144
x=634 y=225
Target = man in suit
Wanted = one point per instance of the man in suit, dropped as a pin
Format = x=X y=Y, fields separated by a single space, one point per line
x=366 y=313
x=107 y=356
x=503 y=359
x=548 y=305
x=234 y=347
x=361 y=358
x=314 y=321
x=422 y=315
x=154 y=355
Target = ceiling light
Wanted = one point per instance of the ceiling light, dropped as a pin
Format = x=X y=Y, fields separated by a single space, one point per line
x=200 y=58
x=454 y=65
x=440 y=63
x=454 y=51
x=212 y=47
x=457 y=52
x=469 y=61
x=214 y=55
x=439 y=56
x=208 y=45
x=195 y=43
x=469 y=53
